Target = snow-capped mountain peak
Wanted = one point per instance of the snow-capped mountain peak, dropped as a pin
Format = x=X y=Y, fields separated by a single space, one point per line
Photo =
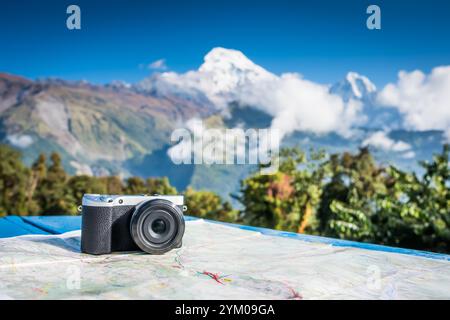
x=227 y=76
x=228 y=69
x=358 y=87
x=222 y=74
x=354 y=86
x=360 y=84
x=228 y=60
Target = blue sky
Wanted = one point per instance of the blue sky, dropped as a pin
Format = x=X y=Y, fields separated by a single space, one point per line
x=320 y=39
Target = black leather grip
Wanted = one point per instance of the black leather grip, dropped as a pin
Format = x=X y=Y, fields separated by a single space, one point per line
x=121 y=239
x=96 y=230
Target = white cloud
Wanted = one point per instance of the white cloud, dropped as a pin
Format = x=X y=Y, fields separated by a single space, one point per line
x=295 y=103
x=423 y=100
x=298 y=104
x=159 y=64
x=20 y=141
x=81 y=168
x=380 y=140
x=409 y=155
x=303 y=105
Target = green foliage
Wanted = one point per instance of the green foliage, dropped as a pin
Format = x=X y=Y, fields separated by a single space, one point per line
x=349 y=196
x=137 y=185
x=285 y=200
x=348 y=223
x=81 y=184
x=113 y=184
x=13 y=182
x=348 y=203
x=46 y=188
x=416 y=212
x=346 y=196
x=52 y=194
x=208 y=205
x=160 y=186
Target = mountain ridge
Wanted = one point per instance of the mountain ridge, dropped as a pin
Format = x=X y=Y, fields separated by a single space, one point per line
x=124 y=129
x=90 y=122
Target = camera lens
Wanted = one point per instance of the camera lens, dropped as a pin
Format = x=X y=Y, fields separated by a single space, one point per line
x=157 y=226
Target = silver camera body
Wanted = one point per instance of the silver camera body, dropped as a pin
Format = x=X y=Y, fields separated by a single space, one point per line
x=152 y=223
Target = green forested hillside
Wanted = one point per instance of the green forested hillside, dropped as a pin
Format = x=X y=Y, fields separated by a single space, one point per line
x=344 y=195
x=95 y=128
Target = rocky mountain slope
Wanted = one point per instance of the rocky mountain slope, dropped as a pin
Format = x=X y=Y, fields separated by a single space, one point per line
x=125 y=129
x=95 y=127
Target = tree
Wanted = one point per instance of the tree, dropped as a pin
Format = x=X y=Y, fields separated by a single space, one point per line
x=416 y=212
x=13 y=180
x=287 y=199
x=37 y=174
x=208 y=205
x=53 y=196
x=160 y=186
x=348 y=202
x=364 y=202
x=113 y=184
x=77 y=186
x=135 y=185
x=344 y=195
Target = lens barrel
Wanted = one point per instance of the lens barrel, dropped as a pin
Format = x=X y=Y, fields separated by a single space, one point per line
x=157 y=226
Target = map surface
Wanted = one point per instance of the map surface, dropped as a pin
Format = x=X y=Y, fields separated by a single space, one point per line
x=216 y=262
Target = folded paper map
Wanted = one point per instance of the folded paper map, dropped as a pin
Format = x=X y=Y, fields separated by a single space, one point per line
x=217 y=261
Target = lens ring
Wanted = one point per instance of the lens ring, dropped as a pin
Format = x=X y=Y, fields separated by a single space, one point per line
x=141 y=226
x=169 y=224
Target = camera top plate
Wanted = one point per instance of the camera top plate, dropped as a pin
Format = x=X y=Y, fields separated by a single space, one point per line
x=105 y=200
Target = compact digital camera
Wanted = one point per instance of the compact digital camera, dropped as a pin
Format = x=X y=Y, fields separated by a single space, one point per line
x=154 y=224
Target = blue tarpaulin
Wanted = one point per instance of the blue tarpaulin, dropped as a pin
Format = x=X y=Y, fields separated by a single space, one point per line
x=12 y=226
x=20 y=225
